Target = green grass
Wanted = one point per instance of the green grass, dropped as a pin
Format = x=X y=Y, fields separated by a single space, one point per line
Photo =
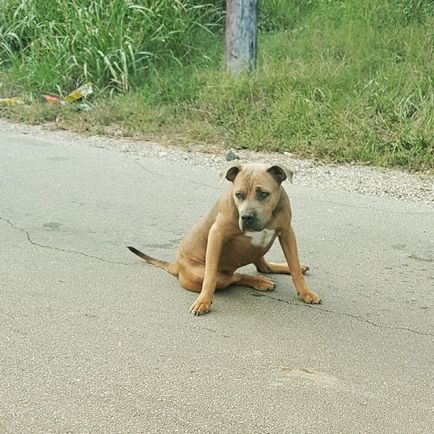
x=112 y=43
x=336 y=80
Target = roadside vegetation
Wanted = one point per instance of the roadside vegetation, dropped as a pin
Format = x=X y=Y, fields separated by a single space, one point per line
x=336 y=80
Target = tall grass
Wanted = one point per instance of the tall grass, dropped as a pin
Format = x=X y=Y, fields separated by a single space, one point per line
x=350 y=81
x=344 y=80
x=112 y=43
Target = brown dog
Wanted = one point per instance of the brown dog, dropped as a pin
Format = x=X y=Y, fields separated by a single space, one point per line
x=239 y=230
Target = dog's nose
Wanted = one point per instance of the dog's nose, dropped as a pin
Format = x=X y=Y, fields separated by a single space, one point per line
x=248 y=218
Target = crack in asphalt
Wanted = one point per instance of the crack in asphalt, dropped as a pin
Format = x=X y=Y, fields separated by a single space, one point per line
x=59 y=249
x=209 y=329
x=280 y=300
x=350 y=315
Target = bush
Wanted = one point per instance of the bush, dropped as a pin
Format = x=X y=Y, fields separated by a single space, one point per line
x=112 y=43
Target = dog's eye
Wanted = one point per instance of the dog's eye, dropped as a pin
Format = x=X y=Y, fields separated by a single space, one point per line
x=239 y=195
x=263 y=194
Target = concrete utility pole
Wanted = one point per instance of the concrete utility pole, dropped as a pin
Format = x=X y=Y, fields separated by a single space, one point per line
x=240 y=35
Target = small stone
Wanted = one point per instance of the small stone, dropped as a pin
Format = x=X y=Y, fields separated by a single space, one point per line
x=230 y=156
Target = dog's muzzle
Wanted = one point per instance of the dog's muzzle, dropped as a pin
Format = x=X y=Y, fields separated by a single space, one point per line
x=249 y=221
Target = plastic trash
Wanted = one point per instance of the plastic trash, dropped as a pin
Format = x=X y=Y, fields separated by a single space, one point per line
x=52 y=99
x=10 y=101
x=79 y=93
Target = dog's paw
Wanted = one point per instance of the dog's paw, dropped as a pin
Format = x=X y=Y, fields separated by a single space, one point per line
x=262 y=283
x=200 y=306
x=310 y=297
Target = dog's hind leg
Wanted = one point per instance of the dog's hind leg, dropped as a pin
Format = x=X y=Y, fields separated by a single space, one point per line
x=193 y=279
x=264 y=266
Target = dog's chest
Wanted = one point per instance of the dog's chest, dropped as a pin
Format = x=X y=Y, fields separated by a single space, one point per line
x=262 y=238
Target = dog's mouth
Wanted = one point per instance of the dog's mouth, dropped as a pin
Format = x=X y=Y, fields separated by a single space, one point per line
x=253 y=227
x=250 y=229
x=249 y=220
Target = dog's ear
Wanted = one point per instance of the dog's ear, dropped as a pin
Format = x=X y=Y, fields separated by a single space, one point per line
x=280 y=173
x=230 y=173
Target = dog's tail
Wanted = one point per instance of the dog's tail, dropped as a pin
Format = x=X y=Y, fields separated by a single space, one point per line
x=170 y=268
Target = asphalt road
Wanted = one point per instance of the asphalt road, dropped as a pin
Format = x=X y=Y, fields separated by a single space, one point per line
x=92 y=340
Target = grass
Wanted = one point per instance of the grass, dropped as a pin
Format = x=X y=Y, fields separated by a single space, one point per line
x=336 y=80
x=112 y=43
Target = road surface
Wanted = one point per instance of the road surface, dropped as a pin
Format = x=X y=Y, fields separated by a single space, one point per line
x=92 y=340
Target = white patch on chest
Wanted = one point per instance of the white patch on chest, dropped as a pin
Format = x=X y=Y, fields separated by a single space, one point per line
x=262 y=238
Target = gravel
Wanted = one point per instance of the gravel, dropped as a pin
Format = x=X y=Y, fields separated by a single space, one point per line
x=348 y=177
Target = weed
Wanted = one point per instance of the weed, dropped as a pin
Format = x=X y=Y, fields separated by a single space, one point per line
x=112 y=43
x=338 y=80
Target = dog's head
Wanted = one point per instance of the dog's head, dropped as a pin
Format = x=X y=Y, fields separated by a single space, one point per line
x=256 y=192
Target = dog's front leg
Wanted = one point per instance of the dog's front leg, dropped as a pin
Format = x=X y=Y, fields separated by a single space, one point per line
x=203 y=302
x=289 y=246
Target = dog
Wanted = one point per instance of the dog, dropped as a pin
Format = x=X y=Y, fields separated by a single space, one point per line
x=239 y=230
